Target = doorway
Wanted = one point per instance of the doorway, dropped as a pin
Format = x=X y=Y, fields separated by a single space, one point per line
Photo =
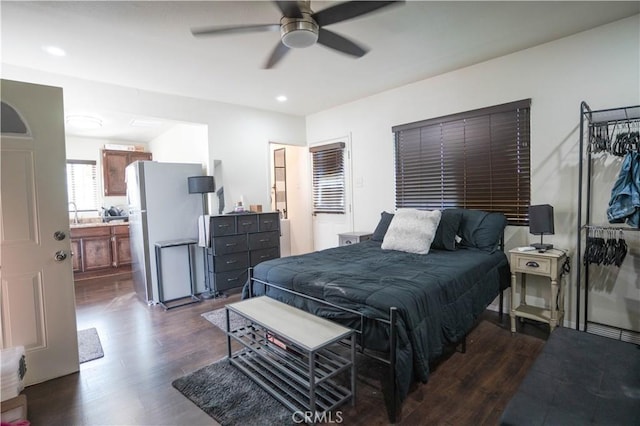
x=291 y=194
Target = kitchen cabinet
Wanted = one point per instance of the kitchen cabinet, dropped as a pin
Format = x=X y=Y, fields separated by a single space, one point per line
x=121 y=251
x=98 y=250
x=76 y=258
x=113 y=165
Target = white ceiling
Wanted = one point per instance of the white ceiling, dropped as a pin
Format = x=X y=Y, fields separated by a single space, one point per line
x=148 y=45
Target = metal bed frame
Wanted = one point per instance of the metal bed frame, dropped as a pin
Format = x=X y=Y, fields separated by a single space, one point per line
x=394 y=406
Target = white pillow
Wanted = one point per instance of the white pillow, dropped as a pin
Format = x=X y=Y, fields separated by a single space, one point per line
x=412 y=230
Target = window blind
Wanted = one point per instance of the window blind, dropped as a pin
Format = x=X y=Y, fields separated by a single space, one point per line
x=478 y=160
x=82 y=186
x=328 y=178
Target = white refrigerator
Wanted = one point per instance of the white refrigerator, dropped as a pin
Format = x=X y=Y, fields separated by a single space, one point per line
x=162 y=209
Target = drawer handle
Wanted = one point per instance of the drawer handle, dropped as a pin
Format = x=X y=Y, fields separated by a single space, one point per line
x=231 y=279
x=532 y=264
x=265 y=240
x=223 y=225
x=267 y=221
x=264 y=256
x=231 y=244
x=246 y=223
x=231 y=262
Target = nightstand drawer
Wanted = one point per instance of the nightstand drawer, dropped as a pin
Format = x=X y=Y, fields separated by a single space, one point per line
x=536 y=265
x=349 y=238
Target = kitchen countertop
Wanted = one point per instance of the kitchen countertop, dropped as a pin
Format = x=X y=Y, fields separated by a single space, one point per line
x=97 y=224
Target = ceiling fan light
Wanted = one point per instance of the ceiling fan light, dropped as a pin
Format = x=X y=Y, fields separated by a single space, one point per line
x=299 y=33
x=300 y=38
x=83 y=122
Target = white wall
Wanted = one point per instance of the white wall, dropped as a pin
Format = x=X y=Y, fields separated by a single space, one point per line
x=183 y=143
x=237 y=136
x=601 y=66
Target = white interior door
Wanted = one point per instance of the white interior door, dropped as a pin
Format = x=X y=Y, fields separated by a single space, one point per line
x=37 y=292
x=327 y=226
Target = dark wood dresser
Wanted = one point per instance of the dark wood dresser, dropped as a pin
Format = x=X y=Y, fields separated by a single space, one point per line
x=240 y=241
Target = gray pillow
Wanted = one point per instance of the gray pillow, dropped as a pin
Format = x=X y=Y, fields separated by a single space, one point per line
x=481 y=230
x=445 y=238
x=383 y=225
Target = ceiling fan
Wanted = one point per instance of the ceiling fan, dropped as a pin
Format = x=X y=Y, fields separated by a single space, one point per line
x=301 y=27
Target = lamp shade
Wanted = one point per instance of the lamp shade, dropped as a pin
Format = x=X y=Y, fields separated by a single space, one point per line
x=201 y=184
x=541 y=219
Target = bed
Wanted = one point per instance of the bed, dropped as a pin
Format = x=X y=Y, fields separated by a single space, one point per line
x=415 y=303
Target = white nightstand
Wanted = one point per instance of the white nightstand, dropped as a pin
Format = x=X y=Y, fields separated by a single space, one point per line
x=547 y=264
x=353 y=238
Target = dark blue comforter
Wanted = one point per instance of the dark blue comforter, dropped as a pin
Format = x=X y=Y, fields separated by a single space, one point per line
x=438 y=295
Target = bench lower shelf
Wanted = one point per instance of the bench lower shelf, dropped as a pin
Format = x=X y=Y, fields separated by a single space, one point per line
x=318 y=380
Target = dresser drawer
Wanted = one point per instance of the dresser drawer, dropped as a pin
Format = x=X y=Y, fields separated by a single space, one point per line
x=269 y=222
x=263 y=240
x=229 y=244
x=531 y=265
x=246 y=223
x=222 y=225
x=232 y=279
x=229 y=262
x=258 y=256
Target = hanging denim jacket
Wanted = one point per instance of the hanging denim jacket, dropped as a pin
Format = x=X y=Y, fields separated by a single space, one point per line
x=625 y=195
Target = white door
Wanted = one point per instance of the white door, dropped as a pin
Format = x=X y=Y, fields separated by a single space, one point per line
x=37 y=297
x=327 y=226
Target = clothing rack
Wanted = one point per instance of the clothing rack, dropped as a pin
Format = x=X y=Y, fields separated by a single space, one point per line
x=612 y=131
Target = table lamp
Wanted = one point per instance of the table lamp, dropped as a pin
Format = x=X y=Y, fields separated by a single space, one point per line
x=541 y=222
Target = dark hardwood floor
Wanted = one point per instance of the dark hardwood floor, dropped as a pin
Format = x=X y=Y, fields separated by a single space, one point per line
x=147 y=348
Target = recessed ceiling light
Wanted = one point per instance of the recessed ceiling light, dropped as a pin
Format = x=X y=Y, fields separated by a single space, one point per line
x=281 y=98
x=54 y=50
x=83 y=122
x=145 y=122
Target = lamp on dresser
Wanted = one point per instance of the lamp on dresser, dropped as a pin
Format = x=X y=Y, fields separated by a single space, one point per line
x=204 y=185
x=541 y=222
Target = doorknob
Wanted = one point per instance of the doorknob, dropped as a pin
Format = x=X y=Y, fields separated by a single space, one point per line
x=60 y=255
x=59 y=235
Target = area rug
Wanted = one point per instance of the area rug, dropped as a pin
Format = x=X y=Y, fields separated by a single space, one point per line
x=218 y=319
x=89 y=346
x=231 y=398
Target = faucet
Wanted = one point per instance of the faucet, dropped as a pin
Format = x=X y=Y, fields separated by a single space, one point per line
x=75 y=212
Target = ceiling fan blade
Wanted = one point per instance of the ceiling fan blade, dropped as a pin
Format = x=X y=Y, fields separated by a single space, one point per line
x=290 y=9
x=349 y=10
x=339 y=43
x=241 y=29
x=277 y=54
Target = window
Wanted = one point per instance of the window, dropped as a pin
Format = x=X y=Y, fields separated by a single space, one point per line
x=82 y=185
x=328 y=178
x=477 y=160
